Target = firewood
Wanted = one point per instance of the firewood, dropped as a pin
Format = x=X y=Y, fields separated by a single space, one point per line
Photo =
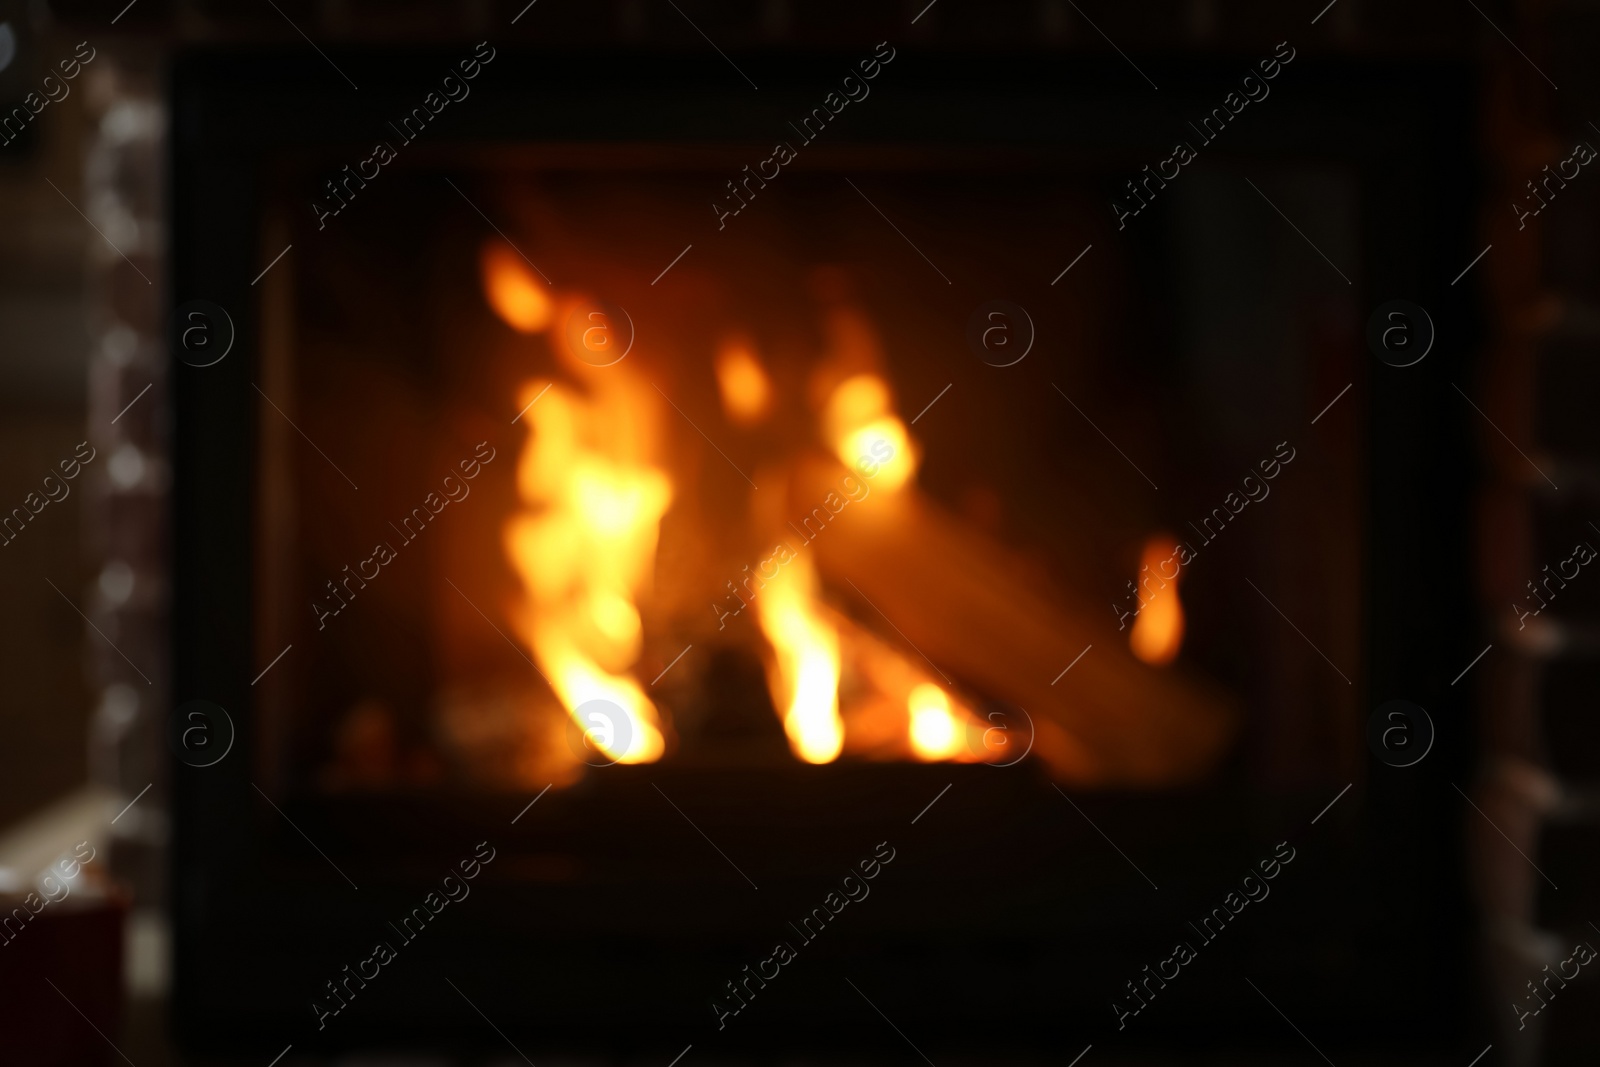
x=919 y=576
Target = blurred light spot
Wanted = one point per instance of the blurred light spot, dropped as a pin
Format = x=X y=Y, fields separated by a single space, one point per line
x=119 y=704
x=119 y=344
x=746 y=389
x=511 y=288
x=116 y=582
x=934 y=734
x=127 y=467
x=1157 y=633
x=866 y=435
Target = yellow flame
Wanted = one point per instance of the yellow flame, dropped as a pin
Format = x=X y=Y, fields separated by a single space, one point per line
x=1158 y=630
x=935 y=733
x=512 y=289
x=884 y=444
x=584 y=548
x=746 y=389
x=855 y=401
x=866 y=435
x=805 y=680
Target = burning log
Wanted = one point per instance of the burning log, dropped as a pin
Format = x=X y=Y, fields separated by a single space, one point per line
x=963 y=601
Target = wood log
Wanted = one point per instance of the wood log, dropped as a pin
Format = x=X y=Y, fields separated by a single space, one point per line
x=918 y=574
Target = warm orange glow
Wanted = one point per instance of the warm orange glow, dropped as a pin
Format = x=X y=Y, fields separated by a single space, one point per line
x=746 y=389
x=935 y=733
x=896 y=711
x=805 y=679
x=870 y=444
x=1158 y=630
x=517 y=294
x=865 y=433
x=585 y=548
x=856 y=401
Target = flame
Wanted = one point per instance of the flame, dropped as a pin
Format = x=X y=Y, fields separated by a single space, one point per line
x=866 y=435
x=805 y=681
x=746 y=389
x=897 y=711
x=1158 y=630
x=512 y=289
x=857 y=400
x=935 y=733
x=584 y=548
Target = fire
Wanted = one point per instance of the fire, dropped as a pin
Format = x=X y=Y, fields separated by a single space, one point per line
x=859 y=423
x=515 y=293
x=746 y=389
x=805 y=679
x=1158 y=630
x=935 y=732
x=585 y=548
x=583 y=543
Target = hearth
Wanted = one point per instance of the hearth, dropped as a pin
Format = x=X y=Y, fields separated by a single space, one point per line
x=681 y=531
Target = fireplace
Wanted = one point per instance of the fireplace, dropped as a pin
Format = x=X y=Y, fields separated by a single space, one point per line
x=670 y=507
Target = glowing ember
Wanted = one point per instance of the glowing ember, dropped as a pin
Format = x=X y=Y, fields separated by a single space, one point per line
x=746 y=389
x=805 y=679
x=858 y=422
x=517 y=295
x=1158 y=631
x=935 y=733
x=585 y=548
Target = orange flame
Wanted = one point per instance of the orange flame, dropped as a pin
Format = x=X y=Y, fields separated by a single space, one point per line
x=936 y=733
x=746 y=389
x=863 y=430
x=512 y=289
x=897 y=710
x=585 y=547
x=1158 y=630
x=805 y=679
